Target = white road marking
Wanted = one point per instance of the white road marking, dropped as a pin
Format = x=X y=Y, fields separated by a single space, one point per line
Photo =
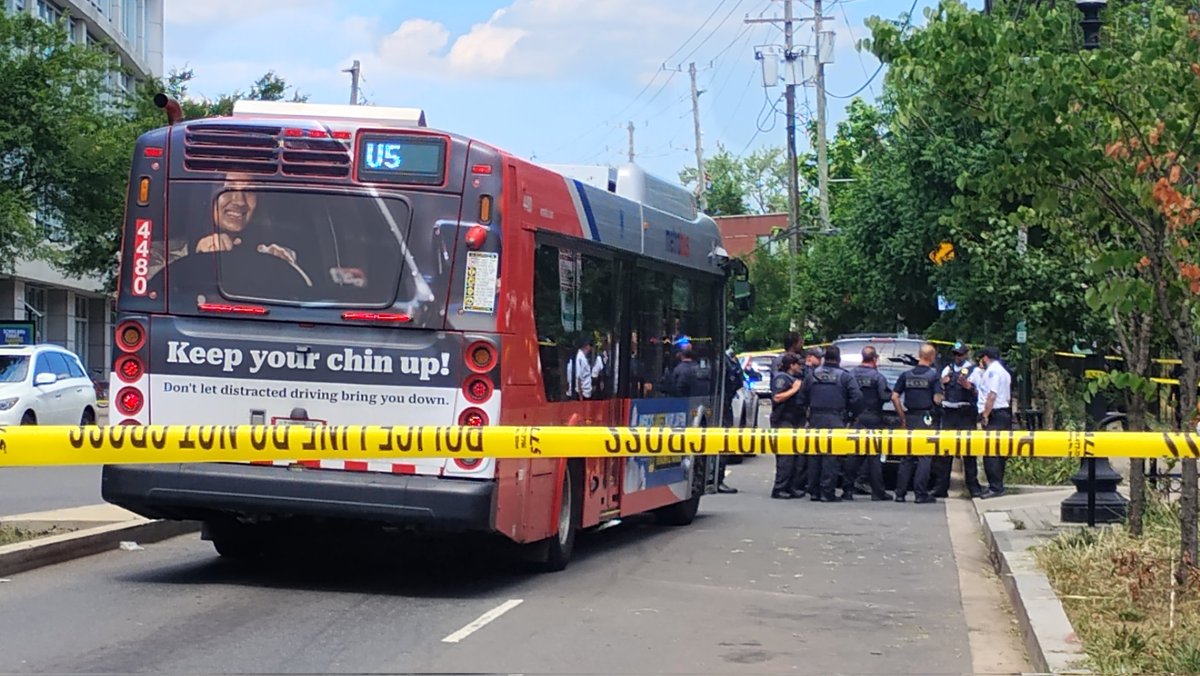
x=483 y=620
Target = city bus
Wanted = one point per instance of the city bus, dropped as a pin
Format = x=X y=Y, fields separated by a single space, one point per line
x=349 y=265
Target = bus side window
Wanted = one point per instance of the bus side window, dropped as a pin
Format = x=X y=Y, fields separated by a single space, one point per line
x=547 y=310
x=651 y=294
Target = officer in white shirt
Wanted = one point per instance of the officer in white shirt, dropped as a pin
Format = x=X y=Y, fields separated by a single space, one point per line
x=994 y=389
x=959 y=412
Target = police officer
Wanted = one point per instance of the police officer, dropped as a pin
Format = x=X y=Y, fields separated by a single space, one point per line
x=920 y=389
x=958 y=413
x=875 y=391
x=812 y=359
x=791 y=345
x=786 y=414
x=832 y=398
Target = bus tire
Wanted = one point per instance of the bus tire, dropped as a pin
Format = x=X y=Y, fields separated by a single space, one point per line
x=680 y=513
x=684 y=512
x=560 y=546
x=233 y=540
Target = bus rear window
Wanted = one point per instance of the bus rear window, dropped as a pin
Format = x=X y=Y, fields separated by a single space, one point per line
x=289 y=247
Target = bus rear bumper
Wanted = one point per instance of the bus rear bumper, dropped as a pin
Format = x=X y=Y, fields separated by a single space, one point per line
x=212 y=490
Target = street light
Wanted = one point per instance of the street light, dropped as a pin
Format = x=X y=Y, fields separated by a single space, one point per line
x=1091 y=21
x=1096 y=498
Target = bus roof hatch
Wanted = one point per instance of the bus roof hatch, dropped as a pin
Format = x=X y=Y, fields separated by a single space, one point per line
x=399 y=117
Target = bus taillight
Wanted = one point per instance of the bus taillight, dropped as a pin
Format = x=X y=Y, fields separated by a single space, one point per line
x=130 y=401
x=467 y=463
x=130 y=368
x=131 y=337
x=129 y=421
x=481 y=357
x=473 y=417
x=225 y=308
x=476 y=237
x=477 y=389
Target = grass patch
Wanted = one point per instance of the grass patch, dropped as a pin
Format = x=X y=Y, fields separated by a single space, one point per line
x=11 y=534
x=1117 y=591
x=1040 y=471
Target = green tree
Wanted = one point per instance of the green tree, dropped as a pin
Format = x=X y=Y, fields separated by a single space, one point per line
x=1088 y=155
x=55 y=128
x=726 y=188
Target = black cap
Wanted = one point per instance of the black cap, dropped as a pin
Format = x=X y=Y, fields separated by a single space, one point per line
x=960 y=348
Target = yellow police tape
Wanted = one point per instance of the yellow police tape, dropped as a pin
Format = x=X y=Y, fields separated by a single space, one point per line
x=29 y=446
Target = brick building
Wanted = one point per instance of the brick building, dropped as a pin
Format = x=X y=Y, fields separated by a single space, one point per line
x=741 y=235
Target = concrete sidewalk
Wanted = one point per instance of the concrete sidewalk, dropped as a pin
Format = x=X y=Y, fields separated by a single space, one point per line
x=91 y=529
x=1014 y=524
x=72 y=518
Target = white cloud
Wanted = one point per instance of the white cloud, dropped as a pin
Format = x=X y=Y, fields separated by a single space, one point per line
x=549 y=40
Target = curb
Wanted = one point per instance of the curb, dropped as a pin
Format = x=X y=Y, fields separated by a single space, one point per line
x=1050 y=641
x=23 y=556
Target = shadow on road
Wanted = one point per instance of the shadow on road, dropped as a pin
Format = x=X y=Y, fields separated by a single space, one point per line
x=458 y=567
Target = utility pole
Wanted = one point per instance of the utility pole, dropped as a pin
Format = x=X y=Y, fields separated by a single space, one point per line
x=822 y=154
x=354 y=71
x=630 y=128
x=793 y=192
x=699 y=149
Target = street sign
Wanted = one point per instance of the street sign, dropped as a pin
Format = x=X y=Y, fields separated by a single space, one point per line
x=17 y=333
x=1022 y=334
x=944 y=252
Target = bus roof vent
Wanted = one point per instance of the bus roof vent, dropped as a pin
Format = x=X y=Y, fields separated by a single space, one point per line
x=229 y=147
x=634 y=183
x=324 y=112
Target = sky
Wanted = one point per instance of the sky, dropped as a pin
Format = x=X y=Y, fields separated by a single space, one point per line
x=556 y=81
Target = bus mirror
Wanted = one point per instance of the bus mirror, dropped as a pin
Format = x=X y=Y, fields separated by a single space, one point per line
x=737 y=268
x=743 y=295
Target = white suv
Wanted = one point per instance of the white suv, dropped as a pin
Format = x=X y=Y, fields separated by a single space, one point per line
x=44 y=385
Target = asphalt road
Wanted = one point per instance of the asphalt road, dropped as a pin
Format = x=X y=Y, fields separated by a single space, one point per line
x=36 y=489
x=753 y=586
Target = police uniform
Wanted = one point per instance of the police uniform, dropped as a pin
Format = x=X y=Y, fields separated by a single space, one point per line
x=875 y=391
x=786 y=414
x=918 y=387
x=959 y=413
x=832 y=396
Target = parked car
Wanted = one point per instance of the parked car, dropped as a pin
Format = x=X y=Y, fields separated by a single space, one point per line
x=44 y=385
x=745 y=399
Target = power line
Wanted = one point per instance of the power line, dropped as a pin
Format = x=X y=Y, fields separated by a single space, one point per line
x=713 y=31
x=697 y=31
x=861 y=61
x=856 y=92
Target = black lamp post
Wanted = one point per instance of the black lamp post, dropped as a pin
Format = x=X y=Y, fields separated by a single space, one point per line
x=1091 y=21
x=1096 y=498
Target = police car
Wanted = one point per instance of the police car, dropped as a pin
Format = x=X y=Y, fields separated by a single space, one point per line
x=760 y=363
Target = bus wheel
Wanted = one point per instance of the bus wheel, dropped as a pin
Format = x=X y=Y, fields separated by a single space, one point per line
x=683 y=513
x=680 y=513
x=233 y=540
x=560 y=546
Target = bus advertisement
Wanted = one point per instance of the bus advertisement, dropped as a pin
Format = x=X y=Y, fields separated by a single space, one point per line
x=315 y=264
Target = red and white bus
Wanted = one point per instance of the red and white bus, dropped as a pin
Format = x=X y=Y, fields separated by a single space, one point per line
x=313 y=264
